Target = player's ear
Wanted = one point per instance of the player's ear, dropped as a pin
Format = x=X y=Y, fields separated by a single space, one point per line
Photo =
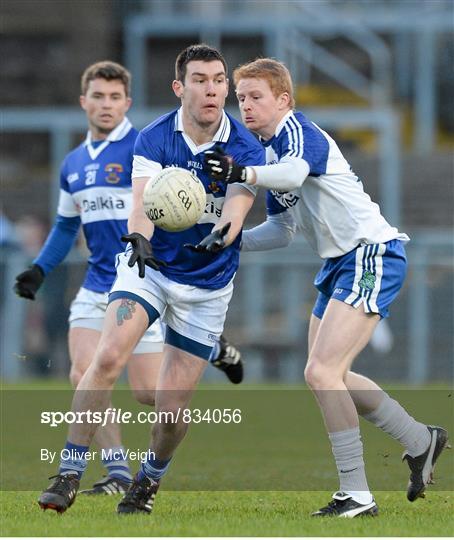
x=284 y=100
x=178 y=88
x=128 y=103
x=82 y=101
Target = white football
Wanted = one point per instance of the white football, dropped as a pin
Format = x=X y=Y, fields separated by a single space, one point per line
x=174 y=200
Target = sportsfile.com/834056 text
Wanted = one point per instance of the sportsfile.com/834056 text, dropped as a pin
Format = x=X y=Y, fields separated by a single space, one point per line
x=119 y=416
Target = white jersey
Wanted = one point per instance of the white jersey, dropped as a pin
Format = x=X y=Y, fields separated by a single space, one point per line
x=330 y=206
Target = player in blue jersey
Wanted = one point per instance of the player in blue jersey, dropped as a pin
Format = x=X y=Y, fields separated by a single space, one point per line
x=186 y=277
x=312 y=187
x=96 y=192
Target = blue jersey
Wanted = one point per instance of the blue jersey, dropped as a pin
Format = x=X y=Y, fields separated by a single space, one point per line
x=164 y=144
x=95 y=185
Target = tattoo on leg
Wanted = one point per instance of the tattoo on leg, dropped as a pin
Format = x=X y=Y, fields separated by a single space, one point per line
x=125 y=310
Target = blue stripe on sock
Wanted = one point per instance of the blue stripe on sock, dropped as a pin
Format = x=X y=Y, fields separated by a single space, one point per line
x=186 y=344
x=113 y=455
x=152 y=312
x=153 y=468
x=116 y=463
x=72 y=459
x=119 y=472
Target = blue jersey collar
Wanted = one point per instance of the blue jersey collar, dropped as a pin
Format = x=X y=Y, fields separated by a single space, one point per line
x=115 y=135
x=282 y=123
x=278 y=129
x=221 y=135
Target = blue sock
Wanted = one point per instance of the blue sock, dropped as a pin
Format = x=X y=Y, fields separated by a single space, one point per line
x=114 y=460
x=215 y=352
x=72 y=459
x=153 y=468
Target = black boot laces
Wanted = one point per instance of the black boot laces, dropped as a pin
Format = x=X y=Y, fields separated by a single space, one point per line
x=139 y=493
x=331 y=507
x=62 y=484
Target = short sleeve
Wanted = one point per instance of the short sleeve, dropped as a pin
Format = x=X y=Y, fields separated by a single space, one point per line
x=148 y=154
x=66 y=205
x=149 y=144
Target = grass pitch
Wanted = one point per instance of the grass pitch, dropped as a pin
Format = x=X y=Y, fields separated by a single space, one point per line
x=226 y=513
x=250 y=476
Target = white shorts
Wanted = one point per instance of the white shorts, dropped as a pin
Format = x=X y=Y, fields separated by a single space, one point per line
x=194 y=317
x=88 y=310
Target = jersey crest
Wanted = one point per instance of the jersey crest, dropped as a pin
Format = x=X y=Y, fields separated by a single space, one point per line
x=98 y=190
x=214 y=187
x=113 y=170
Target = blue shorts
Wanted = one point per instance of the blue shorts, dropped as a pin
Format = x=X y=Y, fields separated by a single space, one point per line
x=371 y=275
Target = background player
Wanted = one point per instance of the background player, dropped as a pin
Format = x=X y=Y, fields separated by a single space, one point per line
x=364 y=269
x=193 y=287
x=96 y=191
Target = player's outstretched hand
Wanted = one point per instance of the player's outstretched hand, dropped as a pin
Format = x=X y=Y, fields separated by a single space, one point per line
x=220 y=166
x=28 y=283
x=142 y=253
x=213 y=243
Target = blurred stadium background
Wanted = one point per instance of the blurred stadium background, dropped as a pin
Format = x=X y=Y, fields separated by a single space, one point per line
x=378 y=75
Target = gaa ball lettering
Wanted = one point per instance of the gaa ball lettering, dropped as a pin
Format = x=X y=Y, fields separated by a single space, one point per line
x=174 y=200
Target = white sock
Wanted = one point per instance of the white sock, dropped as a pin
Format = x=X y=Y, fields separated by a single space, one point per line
x=393 y=419
x=348 y=453
x=362 y=497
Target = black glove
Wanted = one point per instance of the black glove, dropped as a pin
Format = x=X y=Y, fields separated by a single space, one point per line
x=142 y=253
x=213 y=243
x=220 y=166
x=28 y=283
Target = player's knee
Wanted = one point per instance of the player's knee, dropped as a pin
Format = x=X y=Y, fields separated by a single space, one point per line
x=145 y=397
x=318 y=376
x=75 y=374
x=79 y=365
x=109 y=361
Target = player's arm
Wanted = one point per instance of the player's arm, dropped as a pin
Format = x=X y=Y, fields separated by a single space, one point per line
x=140 y=228
x=58 y=244
x=138 y=221
x=238 y=202
x=276 y=232
x=286 y=175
